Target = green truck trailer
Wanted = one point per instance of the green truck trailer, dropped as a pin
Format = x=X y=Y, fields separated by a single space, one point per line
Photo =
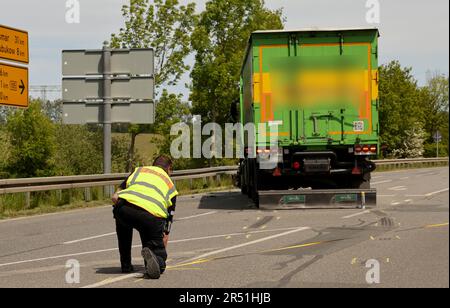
x=315 y=92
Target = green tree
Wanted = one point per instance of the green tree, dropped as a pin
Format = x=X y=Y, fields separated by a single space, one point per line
x=400 y=107
x=436 y=118
x=170 y=110
x=219 y=40
x=4 y=150
x=77 y=150
x=32 y=139
x=166 y=27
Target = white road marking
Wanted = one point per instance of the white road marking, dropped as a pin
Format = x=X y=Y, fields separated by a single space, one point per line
x=356 y=214
x=436 y=192
x=195 y=216
x=398 y=188
x=59 y=257
x=113 y=233
x=215 y=252
x=408 y=201
x=124 y=277
x=429 y=194
x=381 y=182
x=404 y=178
x=395 y=203
x=138 y=246
x=89 y=238
x=111 y=280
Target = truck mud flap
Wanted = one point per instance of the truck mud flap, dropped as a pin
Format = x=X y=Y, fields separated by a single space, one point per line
x=318 y=199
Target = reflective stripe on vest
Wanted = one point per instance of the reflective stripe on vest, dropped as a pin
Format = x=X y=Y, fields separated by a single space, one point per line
x=151 y=189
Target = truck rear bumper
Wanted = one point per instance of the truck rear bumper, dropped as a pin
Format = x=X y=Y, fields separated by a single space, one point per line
x=326 y=198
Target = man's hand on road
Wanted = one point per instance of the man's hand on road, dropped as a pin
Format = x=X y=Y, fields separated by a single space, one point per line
x=166 y=239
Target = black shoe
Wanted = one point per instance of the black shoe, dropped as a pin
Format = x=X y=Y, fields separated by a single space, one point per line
x=127 y=269
x=151 y=264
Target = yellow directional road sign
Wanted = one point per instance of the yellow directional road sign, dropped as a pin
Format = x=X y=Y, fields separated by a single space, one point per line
x=13 y=85
x=14 y=44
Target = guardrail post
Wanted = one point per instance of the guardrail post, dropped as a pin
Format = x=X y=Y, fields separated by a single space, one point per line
x=87 y=194
x=28 y=200
x=218 y=179
x=59 y=195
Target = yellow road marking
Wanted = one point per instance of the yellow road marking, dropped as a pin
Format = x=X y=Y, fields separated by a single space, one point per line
x=353 y=261
x=201 y=261
x=294 y=247
x=372 y=238
x=437 y=225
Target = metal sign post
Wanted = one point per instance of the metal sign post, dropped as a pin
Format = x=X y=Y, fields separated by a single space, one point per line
x=107 y=100
x=437 y=138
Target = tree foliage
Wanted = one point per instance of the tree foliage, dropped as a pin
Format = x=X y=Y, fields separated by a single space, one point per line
x=219 y=41
x=165 y=26
x=410 y=115
x=78 y=150
x=32 y=140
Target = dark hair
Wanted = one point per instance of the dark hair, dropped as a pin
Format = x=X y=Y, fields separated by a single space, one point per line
x=164 y=162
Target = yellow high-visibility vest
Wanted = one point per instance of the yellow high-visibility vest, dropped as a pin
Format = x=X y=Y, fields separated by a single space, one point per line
x=150 y=188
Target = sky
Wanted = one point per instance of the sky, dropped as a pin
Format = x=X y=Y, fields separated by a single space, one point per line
x=415 y=32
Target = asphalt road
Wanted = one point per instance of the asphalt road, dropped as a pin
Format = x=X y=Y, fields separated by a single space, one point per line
x=220 y=240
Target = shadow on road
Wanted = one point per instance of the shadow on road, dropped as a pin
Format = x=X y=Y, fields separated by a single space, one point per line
x=225 y=201
x=116 y=270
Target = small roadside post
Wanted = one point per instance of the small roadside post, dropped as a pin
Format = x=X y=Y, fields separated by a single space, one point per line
x=437 y=138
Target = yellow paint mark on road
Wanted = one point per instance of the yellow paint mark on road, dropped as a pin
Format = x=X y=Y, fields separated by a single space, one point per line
x=397 y=237
x=139 y=280
x=372 y=238
x=295 y=247
x=228 y=237
x=354 y=260
x=195 y=262
x=436 y=225
x=388 y=260
x=278 y=218
x=184 y=269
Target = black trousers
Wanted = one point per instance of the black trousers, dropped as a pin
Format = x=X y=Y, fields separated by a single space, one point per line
x=150 y=228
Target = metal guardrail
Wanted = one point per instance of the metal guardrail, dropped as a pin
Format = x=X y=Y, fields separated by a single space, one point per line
x=8 y=186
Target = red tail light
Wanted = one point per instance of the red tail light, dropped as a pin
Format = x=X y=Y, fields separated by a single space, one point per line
x=365 y=149
x=296 y=165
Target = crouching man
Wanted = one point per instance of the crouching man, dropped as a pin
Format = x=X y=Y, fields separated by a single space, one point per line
x=146 y=202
